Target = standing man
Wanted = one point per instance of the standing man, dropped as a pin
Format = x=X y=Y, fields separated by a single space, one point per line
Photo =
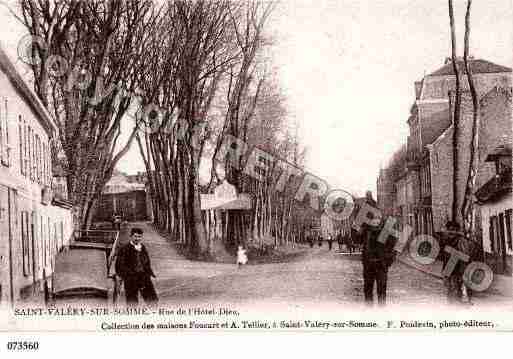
x=453 y=237
x=377 y=257
x=340 y=241
x=330 y=241
x=134 y=267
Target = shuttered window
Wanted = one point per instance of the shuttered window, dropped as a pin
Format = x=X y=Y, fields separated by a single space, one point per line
x=29 y=158
x=38 y=159
x=493 y=224
x=508 y=229
x=20 y=140
x=25 y=243
x=4 y=135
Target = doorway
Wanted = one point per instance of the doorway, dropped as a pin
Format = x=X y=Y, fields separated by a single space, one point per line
x=8 y=212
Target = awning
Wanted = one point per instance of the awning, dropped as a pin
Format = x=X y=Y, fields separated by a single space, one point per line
x=211 y=201
x=80 y=270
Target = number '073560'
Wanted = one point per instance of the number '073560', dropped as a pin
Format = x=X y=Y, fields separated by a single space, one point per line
x=22 y=346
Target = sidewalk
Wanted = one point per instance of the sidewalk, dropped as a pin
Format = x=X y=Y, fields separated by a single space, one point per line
x=501 y=289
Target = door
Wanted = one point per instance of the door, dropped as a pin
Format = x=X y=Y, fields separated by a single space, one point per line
x=502 y=244
x=4 y=245
x=7 y=207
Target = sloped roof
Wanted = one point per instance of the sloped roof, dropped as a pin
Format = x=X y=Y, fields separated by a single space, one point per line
x=478 y=66
x=26 y=93
x=499 y=151
x=494 y=188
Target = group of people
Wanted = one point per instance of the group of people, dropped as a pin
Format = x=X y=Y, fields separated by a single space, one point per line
x=377 y=257
x=351 y=241
x=134 y=267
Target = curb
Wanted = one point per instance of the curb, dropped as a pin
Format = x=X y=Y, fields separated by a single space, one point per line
x=420 y=269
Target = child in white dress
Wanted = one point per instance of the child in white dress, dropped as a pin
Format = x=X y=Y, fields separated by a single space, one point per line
x=242 y=258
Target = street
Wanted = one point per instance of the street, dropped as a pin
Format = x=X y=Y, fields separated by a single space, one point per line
x=320 y=276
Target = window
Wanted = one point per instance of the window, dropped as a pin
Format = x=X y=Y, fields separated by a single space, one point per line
x=34 y=158
x=25 y=243
x=62 y=235
x=4 y=136
x=493 y=225
x=43 y=163
x=25 y=148
x=501 y=237
x=508 y=228
x=55 y=238
x=43 y=243
x=20 y=133
x=38 y=157
x=49 y=243
x=29 y=154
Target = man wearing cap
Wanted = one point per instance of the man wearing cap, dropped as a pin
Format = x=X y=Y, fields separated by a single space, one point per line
x=453 y=281
x=134 y=267
x=377 y=257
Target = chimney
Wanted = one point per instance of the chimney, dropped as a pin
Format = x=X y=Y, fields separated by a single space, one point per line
x=418 y=89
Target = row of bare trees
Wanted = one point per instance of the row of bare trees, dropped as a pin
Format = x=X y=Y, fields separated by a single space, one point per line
x=217 y=82
x=190 y=73
x=87 y=60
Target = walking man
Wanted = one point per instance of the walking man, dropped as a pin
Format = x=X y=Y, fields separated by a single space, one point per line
x=134 y=267
x=340 y=241
x=377 y=257
x=453 y=237
x=330 y=241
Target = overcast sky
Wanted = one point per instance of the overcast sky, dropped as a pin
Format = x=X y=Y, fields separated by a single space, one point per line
x=348 y=67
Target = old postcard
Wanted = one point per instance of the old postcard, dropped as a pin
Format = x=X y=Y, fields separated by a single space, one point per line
x=235 y=166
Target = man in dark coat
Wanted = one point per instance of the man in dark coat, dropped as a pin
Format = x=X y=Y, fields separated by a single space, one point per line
x=453 y=237
x=134 y=267
x=340 y=241
x=377 y=257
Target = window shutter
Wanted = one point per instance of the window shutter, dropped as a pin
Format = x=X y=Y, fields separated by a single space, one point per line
x=20 y=135
x=2 y=144
x=7 y=139
x=4 y=136
x=491 y=228
x=508 y=229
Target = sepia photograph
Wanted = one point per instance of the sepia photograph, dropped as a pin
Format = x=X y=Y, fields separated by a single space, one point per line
x=253 y=165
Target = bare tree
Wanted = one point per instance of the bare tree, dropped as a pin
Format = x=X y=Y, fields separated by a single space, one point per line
x=467 y=208
x=456 y=115
x=89 y=61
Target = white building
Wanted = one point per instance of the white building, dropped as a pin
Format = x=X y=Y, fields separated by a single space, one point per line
x=32 y=228
x=496 y=207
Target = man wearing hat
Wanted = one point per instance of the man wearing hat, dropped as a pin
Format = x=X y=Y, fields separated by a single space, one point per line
x=377 y=257
x=453 y=237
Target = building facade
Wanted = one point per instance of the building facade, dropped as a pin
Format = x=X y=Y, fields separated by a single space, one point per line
x=495 y=122
x=496 y=212
x=423 y=196
x=33 y=227
x=124 y=195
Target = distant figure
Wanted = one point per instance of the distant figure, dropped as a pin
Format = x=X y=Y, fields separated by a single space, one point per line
x=310 y=240
x=319 y=238
x=356 y=239
x=340 y=241
x=330 y=241
x=116 y=221
x=242 y=258
x=134 y=267
x=377 y=257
